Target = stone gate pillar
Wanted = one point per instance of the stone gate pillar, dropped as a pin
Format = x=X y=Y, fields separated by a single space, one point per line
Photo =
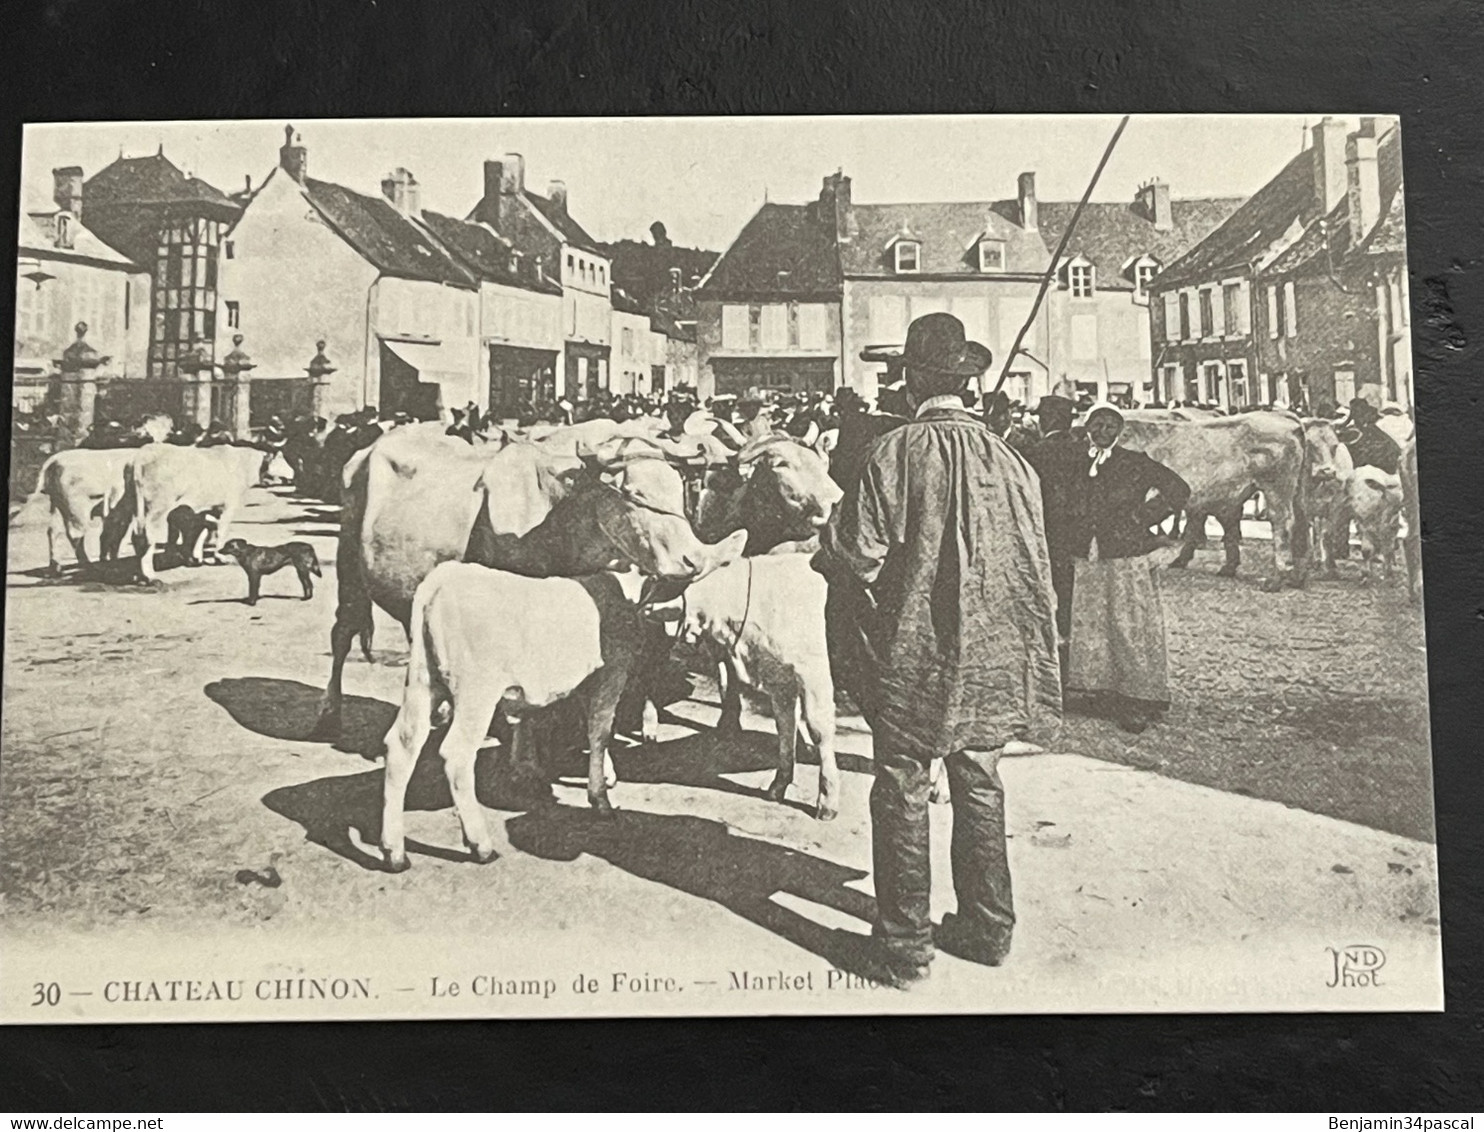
x=237 y=366
x=79 y=386
x=319 y=370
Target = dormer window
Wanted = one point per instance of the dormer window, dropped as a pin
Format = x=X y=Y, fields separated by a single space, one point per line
x=991 y=255
x=908 y=257
x=64 y=230
x=1142 y=271
x=1080 y=278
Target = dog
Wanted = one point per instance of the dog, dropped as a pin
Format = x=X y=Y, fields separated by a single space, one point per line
x=261 y=560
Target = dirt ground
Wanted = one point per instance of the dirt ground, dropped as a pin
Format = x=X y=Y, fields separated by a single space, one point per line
x=159 y=769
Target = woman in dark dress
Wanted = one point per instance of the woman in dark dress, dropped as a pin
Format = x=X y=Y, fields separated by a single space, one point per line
x=1118 y=650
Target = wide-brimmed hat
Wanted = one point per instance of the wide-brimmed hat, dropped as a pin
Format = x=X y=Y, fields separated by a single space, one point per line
x=936 y=344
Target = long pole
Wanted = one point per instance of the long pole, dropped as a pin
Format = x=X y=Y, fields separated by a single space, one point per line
x=1056 y=258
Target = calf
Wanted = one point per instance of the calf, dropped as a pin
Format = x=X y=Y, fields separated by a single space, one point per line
x=1374 y=498
x=766 y=615
x=485 y=640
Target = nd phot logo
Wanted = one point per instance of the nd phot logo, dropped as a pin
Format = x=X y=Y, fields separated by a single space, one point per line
x=1358 y=965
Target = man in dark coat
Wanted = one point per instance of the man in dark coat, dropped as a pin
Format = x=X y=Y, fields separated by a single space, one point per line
x=1060 y=461
x=942 y=543
x=1367 y=441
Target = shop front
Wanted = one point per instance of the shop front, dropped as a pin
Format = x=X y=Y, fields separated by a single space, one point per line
x=586 y=370
x=520 y=376
x=422 y=379
x=735 y=376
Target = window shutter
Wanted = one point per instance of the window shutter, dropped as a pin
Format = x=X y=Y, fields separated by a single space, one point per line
x=1272 y=312
x=734 y=327
x=1290 y=309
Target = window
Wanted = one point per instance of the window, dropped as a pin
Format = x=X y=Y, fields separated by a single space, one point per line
x=1171 y=324
x=231 y=246
x=128 y=301
x=1275 y=314
x=628 y=341
x=793 y=325
x=733 y=327
x=1211 y=390
x=602 y=276
x=1207 y=324
x=991 y=255
x=754 y=327
x=907 y=256
x=234 y=315
x=773 y=321
x=1240 y=393
x=812 y=333
x=1344 y=386
x=1080 y=277
x=1184 y=316
x=1231 y=304
x=569 y=262
x=1290 y=310
x=1159 y=319
x=1144 y=273
x=1169 y=383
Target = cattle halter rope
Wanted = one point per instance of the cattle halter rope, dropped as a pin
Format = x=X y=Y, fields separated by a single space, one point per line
x=746 y=610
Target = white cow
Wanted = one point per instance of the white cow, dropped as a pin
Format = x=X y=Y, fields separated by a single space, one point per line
x=766 y=614
x=1374 y=499
x=485 y=639
x=84 y=489
x=162 y=477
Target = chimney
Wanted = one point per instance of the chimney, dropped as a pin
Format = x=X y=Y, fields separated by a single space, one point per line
x=556 y=192
x=247 y=184
x=1029 y=211
x=1362 y=185
x=67 y=189
x=834 y=206
x=1329 y=164
x=1154 y=199
x=401 y=188
x=293 y=158
x=512 y=175
x=1368 y=128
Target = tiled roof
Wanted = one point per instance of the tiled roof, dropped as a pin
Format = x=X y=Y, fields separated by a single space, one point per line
x=1283 y=205
x=783 y=250
x=485 y=254
x=151 y=180
x=1113 y=234
x=122 y=202
x=38 y=235
x=949 y=234
x=384 y=237
x=625 y=302
x=1336 y=226
x=572 y=232
x=1389 y=237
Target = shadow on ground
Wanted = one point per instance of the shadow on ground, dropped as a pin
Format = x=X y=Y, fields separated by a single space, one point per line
x=289 y=710
x=705 y=858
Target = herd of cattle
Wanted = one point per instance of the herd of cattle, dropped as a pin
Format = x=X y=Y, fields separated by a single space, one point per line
x=554 y=567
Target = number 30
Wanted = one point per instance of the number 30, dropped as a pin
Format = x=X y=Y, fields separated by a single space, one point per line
x=47 y=994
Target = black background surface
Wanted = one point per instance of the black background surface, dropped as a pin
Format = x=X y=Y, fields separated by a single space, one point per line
x=127 y=59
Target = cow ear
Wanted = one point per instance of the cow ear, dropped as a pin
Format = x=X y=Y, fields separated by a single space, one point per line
x=729 y=550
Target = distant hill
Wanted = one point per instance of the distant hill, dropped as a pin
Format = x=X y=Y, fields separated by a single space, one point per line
x=643 y=269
